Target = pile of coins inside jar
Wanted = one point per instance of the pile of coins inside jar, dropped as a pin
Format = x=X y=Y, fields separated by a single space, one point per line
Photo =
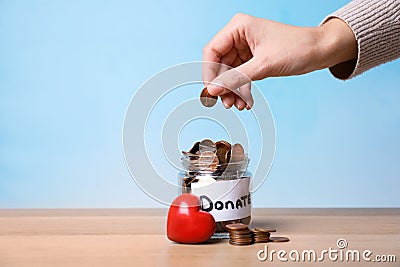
x=241 y=235
x=216 y=156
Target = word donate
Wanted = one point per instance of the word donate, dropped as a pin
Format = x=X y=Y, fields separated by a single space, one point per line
x=225 y=200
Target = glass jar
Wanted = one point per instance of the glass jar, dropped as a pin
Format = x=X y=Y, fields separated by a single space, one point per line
x=222 y=188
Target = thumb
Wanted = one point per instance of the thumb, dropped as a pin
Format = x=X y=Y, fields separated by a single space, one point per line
x=234 y=78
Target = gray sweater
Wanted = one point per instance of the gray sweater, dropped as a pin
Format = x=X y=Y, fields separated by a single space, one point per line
x=376 y=26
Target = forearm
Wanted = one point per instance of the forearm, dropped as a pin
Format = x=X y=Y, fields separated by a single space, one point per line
x=376 y=27
x=336 y=43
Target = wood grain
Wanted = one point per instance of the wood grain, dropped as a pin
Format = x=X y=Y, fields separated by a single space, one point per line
x=136 y=237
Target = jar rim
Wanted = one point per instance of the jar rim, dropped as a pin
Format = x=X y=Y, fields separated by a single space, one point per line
x=192 y=162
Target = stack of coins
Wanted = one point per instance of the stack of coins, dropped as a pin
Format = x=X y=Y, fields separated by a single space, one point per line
x=239 y=234
x=262 y=234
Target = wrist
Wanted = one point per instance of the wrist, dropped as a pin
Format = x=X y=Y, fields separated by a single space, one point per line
x=336 y=43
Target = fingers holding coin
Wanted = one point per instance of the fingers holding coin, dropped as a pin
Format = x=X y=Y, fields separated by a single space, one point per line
x=241 y=100
x=206 y=99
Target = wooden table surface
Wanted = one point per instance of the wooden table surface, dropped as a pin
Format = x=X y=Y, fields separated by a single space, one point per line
x=136 y=237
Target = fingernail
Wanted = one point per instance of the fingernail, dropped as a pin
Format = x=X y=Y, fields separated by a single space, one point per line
x=227 y=106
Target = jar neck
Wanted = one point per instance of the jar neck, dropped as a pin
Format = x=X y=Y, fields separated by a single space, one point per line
x=209 y=164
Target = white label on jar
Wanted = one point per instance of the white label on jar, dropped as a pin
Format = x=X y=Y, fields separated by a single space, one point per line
x=225 y=200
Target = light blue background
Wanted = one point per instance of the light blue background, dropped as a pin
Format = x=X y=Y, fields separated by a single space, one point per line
x=68 y=70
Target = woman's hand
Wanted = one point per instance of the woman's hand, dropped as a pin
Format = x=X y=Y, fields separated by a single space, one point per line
x=259 y=48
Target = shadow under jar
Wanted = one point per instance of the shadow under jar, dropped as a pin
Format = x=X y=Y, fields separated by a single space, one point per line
x=222 y=188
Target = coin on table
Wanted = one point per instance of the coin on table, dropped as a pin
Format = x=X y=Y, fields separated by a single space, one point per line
x=236 y=226
x=240 y=232
x=242 y=240
x=262 y=234
x=278 y=239
x=237 y=153
x=207 y=145
x=240 y=243
x=264 y=229
x=206 y=99
x=239 y=235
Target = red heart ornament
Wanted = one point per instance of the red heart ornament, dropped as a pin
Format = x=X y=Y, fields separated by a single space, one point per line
x=187 y=223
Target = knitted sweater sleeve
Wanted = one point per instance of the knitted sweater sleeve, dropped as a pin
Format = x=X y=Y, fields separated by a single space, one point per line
x=376 y=26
